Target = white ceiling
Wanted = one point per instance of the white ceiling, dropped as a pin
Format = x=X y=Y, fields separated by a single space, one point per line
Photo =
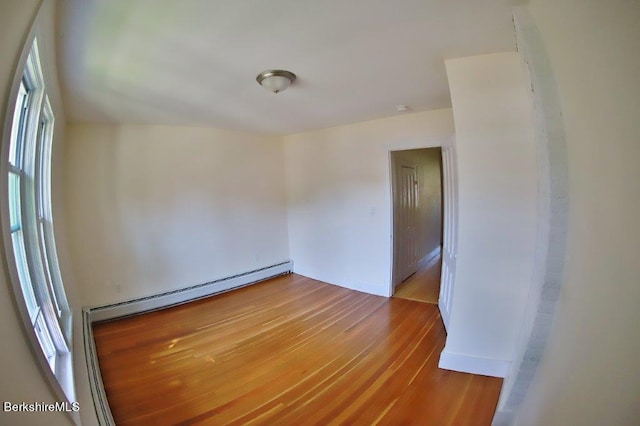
x=194 y=62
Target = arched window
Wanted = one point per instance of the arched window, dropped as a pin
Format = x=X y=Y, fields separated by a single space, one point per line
x=29 y=239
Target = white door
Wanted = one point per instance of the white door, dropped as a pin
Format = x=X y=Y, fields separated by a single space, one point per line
x=450 y=232
x=407 y=222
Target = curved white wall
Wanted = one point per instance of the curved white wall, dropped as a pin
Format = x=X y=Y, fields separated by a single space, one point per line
x=589 y=372
x=497 y=211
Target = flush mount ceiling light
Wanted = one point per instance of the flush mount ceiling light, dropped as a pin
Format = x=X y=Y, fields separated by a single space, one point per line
x=276 y=80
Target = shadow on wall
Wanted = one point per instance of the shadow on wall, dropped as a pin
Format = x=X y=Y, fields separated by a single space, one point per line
x=156 y=208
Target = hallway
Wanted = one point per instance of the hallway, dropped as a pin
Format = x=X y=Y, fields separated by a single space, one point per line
x=424 y=285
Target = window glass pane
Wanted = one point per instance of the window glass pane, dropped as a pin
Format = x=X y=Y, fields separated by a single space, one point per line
x=23 y=273
x=40 y=172
x=46 y=343
x=47 y=267
x=17 y=128
x=43 y=152
x=14 y=201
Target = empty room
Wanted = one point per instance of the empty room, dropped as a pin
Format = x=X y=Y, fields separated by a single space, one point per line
x=304 y=212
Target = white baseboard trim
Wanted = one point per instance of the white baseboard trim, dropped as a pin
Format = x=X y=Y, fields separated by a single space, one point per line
x=188 y=294
x=151 y=303
x=429 y=256
x=503 y=418
x=474 y=365
x=98 y=394
x=444 y=313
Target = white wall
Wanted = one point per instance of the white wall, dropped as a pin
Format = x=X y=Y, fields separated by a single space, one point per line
x=589 y=371
x=497 y=210
x=339 y=196
x=155 y=208
x=22 y=381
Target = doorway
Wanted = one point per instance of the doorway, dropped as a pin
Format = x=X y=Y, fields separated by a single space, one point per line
x=417 y=200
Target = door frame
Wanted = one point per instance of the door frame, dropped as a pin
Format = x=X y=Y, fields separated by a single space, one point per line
x=452 y=167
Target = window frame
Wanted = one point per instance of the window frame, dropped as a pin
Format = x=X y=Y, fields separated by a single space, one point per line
x=47 y=323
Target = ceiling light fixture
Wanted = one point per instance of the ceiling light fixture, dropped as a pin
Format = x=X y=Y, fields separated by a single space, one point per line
x=276 y=80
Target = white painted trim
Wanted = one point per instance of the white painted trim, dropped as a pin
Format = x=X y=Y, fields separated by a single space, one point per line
x=441 y=142
x=103 y=412
x=504 y=418
x=449 y=232
x=429 y=256
x=155 y=302
x=474 y=365
x=445 y=310
x=183 y=295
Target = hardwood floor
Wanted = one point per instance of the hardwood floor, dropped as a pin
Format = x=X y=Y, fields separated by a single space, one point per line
x=288 y=351
x=424 y=285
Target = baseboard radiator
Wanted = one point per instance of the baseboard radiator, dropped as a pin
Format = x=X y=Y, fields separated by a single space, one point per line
x=91 y=315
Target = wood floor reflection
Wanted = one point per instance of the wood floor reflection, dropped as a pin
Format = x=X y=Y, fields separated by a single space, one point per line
x=288 y=351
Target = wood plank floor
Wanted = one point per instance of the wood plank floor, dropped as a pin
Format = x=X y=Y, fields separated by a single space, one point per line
x=288 y=351
x=424 y=285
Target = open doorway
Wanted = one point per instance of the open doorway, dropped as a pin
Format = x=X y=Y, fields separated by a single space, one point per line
x=417 y=197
